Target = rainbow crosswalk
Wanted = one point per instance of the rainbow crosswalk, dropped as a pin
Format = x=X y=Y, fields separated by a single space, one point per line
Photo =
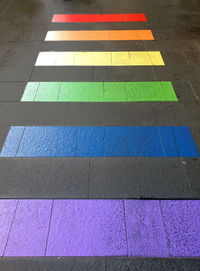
x=132 y=228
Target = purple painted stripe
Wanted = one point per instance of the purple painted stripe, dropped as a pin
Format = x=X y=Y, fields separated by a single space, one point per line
x=146 y=228
x=182 y=222
x=87 y=228
x=30 y=228
x=7 y=211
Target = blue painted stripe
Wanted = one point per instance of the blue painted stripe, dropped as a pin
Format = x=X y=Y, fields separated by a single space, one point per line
x=133 y=141
x=168 y=141
x=12 y=142
x=139 y=141
x=185 y=142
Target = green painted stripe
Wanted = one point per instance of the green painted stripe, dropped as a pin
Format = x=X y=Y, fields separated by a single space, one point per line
x=98 y=92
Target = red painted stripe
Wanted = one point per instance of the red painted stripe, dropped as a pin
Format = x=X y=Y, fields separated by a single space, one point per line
x=87 y=18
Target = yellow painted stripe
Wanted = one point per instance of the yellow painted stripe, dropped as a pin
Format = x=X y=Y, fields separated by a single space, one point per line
x=93 y=35
x=100 y=59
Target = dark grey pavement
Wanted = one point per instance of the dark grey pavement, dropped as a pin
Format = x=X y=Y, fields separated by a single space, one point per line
x=98 y=264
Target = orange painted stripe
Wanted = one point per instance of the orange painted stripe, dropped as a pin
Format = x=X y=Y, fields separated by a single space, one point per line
x=99 y=35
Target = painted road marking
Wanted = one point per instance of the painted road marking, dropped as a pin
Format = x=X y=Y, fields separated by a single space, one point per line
x=97 y=228
x=98 y=92
x=116 y=141
x=99 y=35
x=89 y=18
x=145 y=58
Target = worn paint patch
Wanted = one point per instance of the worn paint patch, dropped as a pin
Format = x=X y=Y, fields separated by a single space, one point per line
x=133 y=228
x=129 y=58
x=99 y=92
x=94 y=35
x=139 y=141
x=89 y=18
x=145 y=231
x=182 y=227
